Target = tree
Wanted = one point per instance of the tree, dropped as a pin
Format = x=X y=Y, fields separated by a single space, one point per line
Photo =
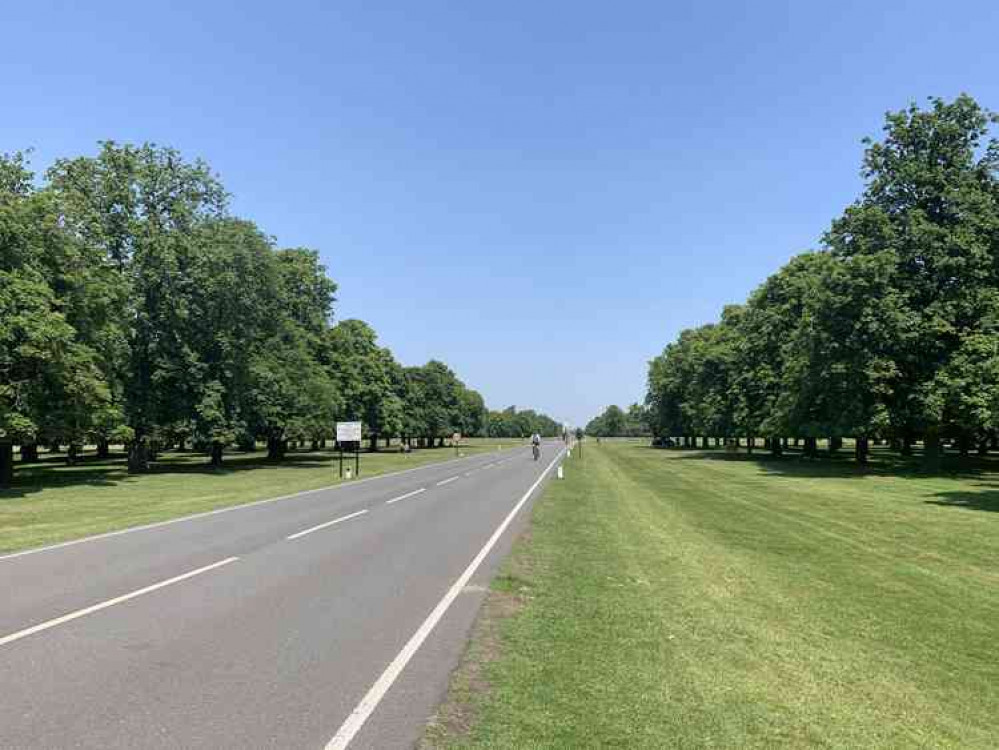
x=235 y=303
x=47 y=377
x=137 y=208
x=363 y=373
x=931 y=207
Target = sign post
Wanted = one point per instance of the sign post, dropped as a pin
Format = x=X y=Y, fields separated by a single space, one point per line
x=456 y=442
x=349 y=432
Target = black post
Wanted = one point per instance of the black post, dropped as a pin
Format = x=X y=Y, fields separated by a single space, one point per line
x=340 y=446
x=357 y=459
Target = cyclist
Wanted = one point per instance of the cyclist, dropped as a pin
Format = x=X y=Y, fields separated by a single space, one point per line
x=536 y=445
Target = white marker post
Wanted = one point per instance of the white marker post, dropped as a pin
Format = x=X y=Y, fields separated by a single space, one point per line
x=559 y=472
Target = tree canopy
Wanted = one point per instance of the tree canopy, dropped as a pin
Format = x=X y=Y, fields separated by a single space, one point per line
x=888 y=330
x=136 y=309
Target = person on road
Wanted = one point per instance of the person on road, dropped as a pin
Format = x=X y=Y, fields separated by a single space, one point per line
x=536 y=445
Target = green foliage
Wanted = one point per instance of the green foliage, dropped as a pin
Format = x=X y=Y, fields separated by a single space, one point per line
x=511 y=423
x=134 y=308
x=889 y=331
x=614 y=422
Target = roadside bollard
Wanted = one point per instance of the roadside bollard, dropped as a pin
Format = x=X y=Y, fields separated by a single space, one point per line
x=559 y=472
x=569 y=453
x=347 y=473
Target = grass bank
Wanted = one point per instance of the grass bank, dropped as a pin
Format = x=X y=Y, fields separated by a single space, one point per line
x=690 y=599
x=53 y=502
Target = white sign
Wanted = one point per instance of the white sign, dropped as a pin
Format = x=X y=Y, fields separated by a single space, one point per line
x=348 y=432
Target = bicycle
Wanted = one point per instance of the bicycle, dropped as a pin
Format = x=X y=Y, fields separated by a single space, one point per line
x=536 y=450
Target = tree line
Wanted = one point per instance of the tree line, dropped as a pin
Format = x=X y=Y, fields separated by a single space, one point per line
x=888 y=331
x=616 y=422
x=135 y=309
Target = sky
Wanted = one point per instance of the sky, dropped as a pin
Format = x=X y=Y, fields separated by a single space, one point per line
x=541 y=194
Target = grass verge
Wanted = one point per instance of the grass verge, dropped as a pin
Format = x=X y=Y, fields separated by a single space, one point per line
x=684 y=599
x=52 y=502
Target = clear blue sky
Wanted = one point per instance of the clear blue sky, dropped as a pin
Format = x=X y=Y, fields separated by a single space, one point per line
x=540 y=193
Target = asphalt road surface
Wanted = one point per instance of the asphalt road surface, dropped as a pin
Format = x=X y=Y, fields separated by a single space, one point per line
x=325 y=620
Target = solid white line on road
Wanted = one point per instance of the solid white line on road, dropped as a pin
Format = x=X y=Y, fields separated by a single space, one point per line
x=328 y=523
x=488 y=466
x=229 y=509
x=403 y=497
x=469 y=473
x=382 y=685
x=110 y=603
x=446 y=481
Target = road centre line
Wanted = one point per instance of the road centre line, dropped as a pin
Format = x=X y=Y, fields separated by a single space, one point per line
x=446 y=481
x=228 y=509
x=403 y=497
x=373 y=697
x=110 y=602
x=328 y=523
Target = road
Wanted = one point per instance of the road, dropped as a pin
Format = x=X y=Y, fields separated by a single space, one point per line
x=325 y=620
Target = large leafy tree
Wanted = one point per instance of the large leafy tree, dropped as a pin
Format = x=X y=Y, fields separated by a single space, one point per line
x=137 y=209
x=235 y=306
x=365 y=377
x=48 y=378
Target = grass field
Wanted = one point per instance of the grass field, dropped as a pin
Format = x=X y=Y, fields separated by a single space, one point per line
x=702 y=600
x=52 y=502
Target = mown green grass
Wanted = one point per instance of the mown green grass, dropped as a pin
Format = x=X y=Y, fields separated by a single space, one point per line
x=696 y=600
x=52 y=502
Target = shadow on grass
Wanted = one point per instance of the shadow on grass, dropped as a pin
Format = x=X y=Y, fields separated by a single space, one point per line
x=89 y=470
x=882 y=462
x=107 y=472
x=987 y=500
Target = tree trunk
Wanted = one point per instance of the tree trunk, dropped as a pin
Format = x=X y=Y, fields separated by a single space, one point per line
x=750 y=444
x=275 y=448
x=835 y=443
x=783 y=444
x=138 y=457
x=964 y=444
x=811 y=447
x=983 y=447
x=29 y=453
x=860 y=450
x=907 y=444
x=103 y=448
x=73 y=453
x=315 y=445
x=216 y=454
x=374 y=442
x=931 y=449
x=777 y=446
x=6 y=463
x=797 y=442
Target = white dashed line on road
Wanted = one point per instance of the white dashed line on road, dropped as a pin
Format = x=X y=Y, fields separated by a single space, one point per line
x=403 y=497
x=328 y=523
x=110 y=603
